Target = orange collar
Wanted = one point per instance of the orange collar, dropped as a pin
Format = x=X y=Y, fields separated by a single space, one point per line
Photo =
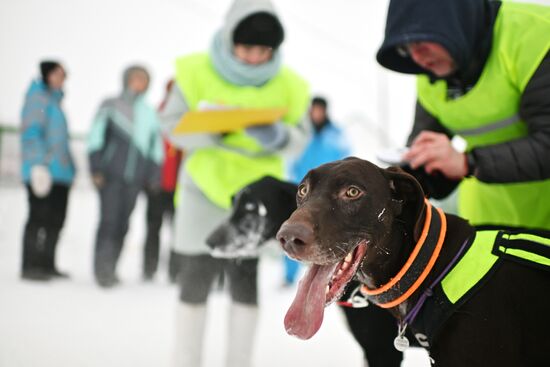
x=418 y=265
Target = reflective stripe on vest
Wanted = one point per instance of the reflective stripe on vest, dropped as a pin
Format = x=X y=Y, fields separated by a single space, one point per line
x=515 y=119
x=487 y=248
x=525 y=246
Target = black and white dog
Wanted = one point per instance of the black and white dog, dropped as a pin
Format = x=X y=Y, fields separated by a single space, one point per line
x=258 y=211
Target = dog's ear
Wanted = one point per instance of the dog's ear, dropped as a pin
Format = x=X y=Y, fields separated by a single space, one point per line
x=408 y=197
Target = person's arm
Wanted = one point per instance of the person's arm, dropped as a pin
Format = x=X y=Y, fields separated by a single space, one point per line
x=33 y=143
x=155 y=158
x=96 y=140
x=284 y=139
x=33 y=129
x=528 y=158
x=435 y=184
x=423 y=121
x=170 y=116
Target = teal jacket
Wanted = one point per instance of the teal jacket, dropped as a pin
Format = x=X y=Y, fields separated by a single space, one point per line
x=45 y=135
x=126 y=145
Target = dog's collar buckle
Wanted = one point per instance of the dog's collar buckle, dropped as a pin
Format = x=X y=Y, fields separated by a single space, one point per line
x=356 y=299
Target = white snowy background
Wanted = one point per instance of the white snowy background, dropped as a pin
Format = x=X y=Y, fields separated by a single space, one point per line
x=75 y=323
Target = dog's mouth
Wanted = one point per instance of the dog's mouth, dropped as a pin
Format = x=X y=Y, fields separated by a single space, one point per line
x=321 y=285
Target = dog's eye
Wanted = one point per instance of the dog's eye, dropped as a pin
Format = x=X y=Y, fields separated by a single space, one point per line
x=302 y=190
x=353 y=192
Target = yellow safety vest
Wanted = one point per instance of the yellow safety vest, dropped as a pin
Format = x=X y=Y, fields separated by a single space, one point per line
x=221 y=171
x=488 y=115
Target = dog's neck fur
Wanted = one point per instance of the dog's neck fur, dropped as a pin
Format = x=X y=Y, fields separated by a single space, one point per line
x=398 y=242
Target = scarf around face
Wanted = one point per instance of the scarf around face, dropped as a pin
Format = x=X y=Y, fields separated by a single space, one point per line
x=237 y=72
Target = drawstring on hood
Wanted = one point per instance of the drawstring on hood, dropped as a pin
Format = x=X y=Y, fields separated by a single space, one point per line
x=224 y=61
x=462 y=27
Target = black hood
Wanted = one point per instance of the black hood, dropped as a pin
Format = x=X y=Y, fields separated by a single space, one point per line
x=462 y=27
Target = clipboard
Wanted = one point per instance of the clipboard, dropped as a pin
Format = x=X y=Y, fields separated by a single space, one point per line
x=226 y=120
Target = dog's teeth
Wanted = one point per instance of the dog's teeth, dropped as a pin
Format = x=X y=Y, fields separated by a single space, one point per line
x=345 y=265
x=340 y=271
x=348 y=258
x=327 y=290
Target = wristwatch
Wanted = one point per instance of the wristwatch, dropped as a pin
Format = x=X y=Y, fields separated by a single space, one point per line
x=471 y=162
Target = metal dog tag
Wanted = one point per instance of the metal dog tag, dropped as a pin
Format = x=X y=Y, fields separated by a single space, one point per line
x=401 y=343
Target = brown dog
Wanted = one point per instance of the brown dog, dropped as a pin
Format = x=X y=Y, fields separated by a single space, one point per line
x=356 y=220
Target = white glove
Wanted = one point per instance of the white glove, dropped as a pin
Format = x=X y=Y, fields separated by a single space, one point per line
x=41 y=181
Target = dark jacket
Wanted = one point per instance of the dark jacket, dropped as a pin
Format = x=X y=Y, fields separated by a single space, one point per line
x=124 y=143
x=465 y=29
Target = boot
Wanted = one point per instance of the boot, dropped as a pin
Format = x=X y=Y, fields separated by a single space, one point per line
x=33 y=264
x=190 y=324
x=152 y=239
x=241 y=334
x=173 y=266
x=150 y=255
x=52 y=237
x=106 y=255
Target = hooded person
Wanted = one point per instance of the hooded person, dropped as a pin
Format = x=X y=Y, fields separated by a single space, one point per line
x=484 y=74
x=243 y=68
x=125 y=152
x=47 y=169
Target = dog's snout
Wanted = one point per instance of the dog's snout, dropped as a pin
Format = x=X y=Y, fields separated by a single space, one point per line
x=294 y=236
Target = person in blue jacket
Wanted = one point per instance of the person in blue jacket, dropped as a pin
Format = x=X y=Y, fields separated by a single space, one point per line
x=327 y=144
x=47 y=170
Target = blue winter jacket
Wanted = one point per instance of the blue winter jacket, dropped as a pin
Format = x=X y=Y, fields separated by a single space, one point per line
x=325 y=146
x=44 y=134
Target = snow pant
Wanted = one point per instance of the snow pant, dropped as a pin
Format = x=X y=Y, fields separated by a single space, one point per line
x=198 y=272
x=374 y=328
x=117 y=201
x=159 y=204
x=41 y=233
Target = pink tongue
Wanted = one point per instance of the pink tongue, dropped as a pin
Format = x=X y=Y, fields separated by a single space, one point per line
x=305 y=316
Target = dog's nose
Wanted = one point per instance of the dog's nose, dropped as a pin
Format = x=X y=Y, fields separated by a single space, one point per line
x=294 y=236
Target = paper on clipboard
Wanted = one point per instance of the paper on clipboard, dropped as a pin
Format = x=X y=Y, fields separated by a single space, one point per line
x=225 y=120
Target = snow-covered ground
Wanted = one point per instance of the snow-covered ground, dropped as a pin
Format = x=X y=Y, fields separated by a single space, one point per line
x=74 y=323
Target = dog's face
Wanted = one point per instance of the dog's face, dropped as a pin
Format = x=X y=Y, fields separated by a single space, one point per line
x=258 y=211
x=346 y=211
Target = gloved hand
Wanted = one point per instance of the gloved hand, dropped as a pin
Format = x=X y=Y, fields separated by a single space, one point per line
x=41 y=180
x=271 y=137
x=98 y=180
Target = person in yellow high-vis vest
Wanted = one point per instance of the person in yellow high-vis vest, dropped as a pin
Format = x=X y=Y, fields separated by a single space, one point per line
x=243 y=68
x=484 y=74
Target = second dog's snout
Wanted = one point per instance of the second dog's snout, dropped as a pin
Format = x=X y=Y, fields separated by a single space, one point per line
x=292 y=236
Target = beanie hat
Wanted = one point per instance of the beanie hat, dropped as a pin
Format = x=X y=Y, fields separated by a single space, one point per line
x=262 y=29
x=46 y=67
